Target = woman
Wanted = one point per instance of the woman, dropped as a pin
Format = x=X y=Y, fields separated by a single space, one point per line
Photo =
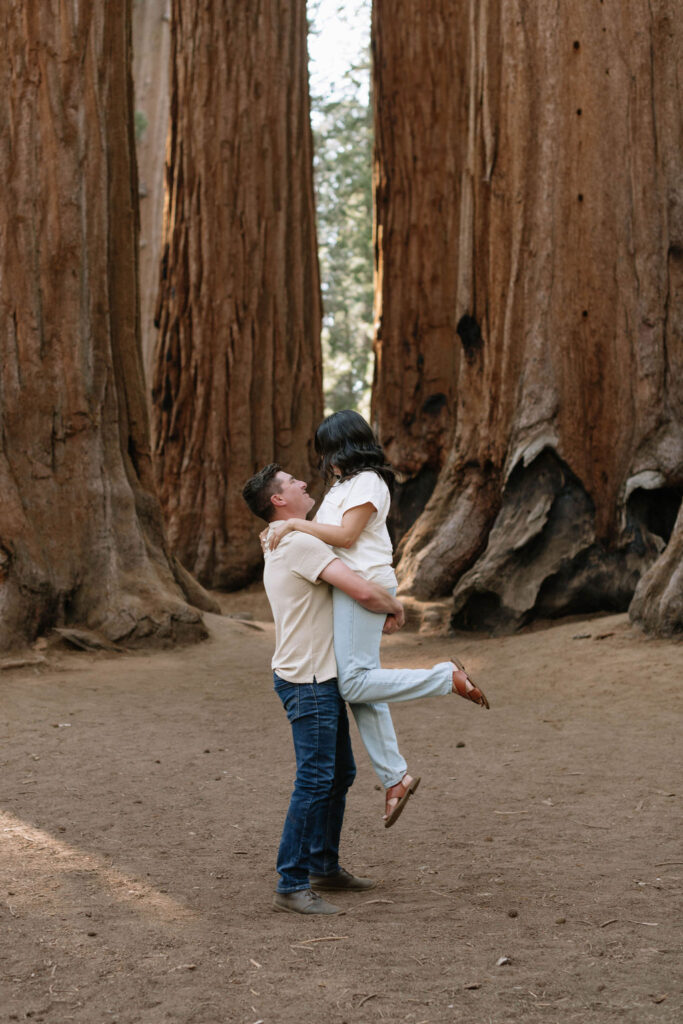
x=352 y=519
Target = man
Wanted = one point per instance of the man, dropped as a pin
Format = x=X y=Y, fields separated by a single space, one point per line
x=305 y=679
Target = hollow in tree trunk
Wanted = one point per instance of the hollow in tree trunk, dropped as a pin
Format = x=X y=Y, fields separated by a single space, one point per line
x=657 y=604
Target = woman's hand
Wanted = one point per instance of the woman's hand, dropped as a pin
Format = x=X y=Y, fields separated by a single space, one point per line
x=278 y=531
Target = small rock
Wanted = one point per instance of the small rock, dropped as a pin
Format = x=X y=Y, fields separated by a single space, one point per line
x=488 y=839
x=472 y=985
x=460 y=744
x=502 y=961
x=561 y=920
x=92 y=934
x=512 y=913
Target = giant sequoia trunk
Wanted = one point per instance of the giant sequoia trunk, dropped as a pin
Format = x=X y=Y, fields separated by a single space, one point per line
x=151 y=53
x=238 y=369
x=418 y=97
x=80 y=528
x=559 y=181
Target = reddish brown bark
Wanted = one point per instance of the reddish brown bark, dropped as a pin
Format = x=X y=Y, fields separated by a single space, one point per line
x=567 y=239
x=80 y=528
x=418 y=94
x=238 y=369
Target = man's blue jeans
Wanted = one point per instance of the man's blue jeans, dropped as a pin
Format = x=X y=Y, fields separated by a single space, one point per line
x=324 y=771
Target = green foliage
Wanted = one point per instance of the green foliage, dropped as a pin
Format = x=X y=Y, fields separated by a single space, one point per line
x=343 y=179
x=140 y=124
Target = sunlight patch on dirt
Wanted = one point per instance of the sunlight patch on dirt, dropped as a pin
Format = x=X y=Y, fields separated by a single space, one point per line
x=53 y=857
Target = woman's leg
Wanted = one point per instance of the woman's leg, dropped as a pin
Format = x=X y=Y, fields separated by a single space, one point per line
x=377 y=732
x=357 y=635
x=373 y=719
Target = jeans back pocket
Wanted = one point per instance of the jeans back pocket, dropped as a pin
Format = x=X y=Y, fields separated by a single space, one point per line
x=289 y=695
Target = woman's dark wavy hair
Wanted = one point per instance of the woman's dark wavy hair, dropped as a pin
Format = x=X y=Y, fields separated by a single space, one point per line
x=346 y=441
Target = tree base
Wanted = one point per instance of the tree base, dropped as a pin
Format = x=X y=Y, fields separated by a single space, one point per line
x=543 y=558
x=657 y=605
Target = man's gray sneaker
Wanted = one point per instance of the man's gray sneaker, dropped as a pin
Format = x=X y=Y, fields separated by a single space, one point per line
x=342 y=881
x=304 y=901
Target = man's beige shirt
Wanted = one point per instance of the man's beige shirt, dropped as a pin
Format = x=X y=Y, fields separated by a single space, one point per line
x=302 y=608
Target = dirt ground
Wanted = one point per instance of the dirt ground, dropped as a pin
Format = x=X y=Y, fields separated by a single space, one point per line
x=142 y=801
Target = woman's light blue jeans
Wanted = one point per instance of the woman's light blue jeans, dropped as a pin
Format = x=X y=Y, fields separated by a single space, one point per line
x=368 y=687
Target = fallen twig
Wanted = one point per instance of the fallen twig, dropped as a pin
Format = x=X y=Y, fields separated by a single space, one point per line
x=436 y=891
x=367 y=904
x=373 y=995
x=87 y=640
x=28 y=662
x=612 y=920
x=587 y=824
x=327 y=938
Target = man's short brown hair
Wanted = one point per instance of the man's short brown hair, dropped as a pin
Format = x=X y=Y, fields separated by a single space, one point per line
x=258 y=491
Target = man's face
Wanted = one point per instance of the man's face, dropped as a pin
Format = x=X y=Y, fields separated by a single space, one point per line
x=293 y=497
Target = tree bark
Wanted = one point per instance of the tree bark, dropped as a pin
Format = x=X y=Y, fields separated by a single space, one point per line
x=565 y=469
x=418 y=96
x=81 y=539
x=238 y=368
x=657 y=604
x=151 y=76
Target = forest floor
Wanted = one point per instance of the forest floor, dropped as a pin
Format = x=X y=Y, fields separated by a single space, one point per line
x=143 y=797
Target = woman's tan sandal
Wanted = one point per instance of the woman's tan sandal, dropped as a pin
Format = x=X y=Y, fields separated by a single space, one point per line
x=474 y=693
x=396 y=799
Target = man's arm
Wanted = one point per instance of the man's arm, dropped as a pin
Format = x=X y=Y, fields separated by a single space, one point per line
x=369 y=595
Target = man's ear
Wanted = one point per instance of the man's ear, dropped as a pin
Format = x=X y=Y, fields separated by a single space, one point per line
x=277 y=500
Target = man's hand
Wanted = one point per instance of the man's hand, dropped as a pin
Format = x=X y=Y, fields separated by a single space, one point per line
x=400 y=616
x=390 y=625
x=370 y=595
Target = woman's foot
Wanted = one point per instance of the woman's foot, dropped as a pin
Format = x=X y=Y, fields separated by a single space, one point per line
x=397 y=797
x=464 y=687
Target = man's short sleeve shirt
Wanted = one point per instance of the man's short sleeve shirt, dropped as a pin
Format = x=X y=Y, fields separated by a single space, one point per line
x=302 y=608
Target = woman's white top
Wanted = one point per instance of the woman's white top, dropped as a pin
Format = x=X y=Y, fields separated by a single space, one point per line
x=372 y=554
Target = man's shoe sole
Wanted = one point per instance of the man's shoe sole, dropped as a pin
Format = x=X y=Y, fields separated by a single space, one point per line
x=328 y=886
